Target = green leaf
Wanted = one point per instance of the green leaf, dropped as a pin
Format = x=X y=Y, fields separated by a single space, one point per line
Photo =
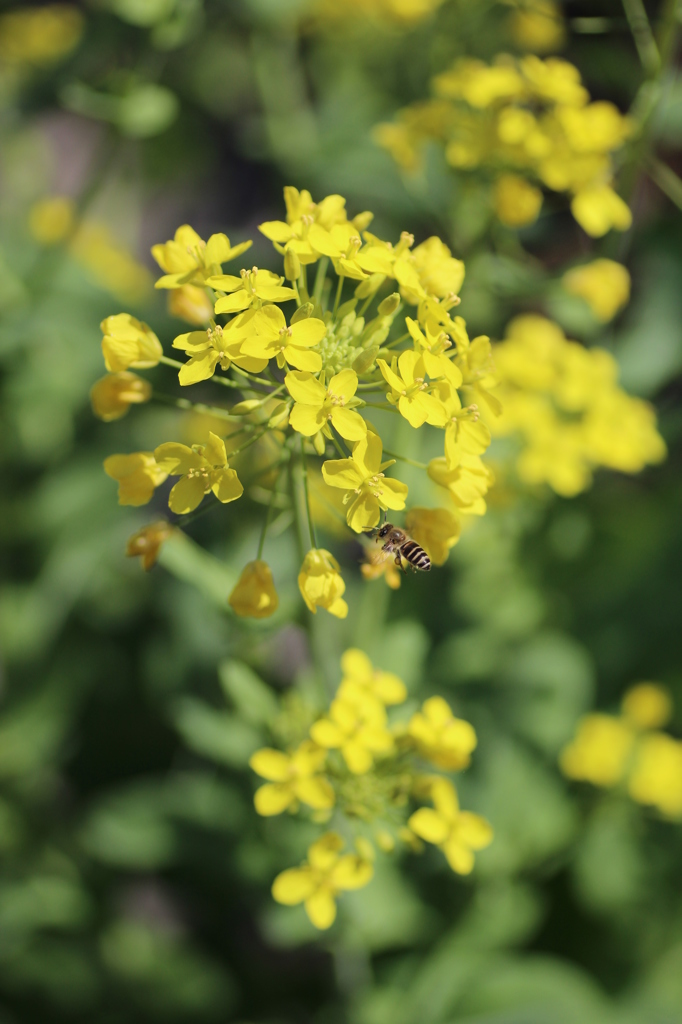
x=218 y=735
x=254 y=701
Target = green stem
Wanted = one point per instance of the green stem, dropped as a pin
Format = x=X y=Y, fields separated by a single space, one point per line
x=184 y=403
x=384 y=408
x=304 y=476
x=366 y=303
x=319 y=280
x=666 y=179
x=249 y=376
x=339 y=289
x=268 y=518
x=398 y=341
x=297 y=512
x=403 y=458
x=337 y=445
x=643 y=36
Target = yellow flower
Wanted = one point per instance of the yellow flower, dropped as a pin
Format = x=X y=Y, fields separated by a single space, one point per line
x=599 y=752
x=360 y=679
x=291 y=777
x=538 y=26
x=302 y=213
x=358 y=728
x=457 y=833
x=40 y=35
x=316 y=404
x=409 y=390
x=190 y=303
x=467 y=483
x=201 y=468
x=657 y=774
x=367 y=489
x=440 y=273
x=445 y=740
x=318 y=882
x=375 y=566
x=254 y=596
x=51 y=220
x=516 y=201
x=137 y=475
x=343 y=245
x=465 y=431
x=252 y=288
x=598 y=208
x=647 y=706
x=272 y=339
x=603 y=284
x=430 y=345
x=112 y=396
x=321 y=584
x=94 y=246
x=128 y=342
x=188 y=259
x=146 y=543
x=216 y=346
x=436 y=529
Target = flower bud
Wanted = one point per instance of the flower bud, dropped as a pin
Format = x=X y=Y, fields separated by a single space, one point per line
x=365 y=360
x=388 y=306
x=292 y=265
x=190 y=303
x=146 y=543
x=112 y=396
x=302 y=313
x=254 y=596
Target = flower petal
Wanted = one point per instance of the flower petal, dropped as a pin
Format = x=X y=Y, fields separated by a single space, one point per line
x=343 y=384
x=317 y=792
x=187 y=494
x=321 y=908
x=273 y=798
x=349 y=424
x=459 y=857
x=303 y=359
x=473 y=830
x=304 y=388
x=306 y=419
x=227 y=486
x=293 y=886
x=342 y=473
x=429 y=825
x=308 y=332
x=177 y=458
x=200 y=367
x=357 y=757
x=271 y=764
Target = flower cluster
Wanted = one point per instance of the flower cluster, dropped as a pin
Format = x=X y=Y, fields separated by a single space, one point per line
x=529 y=123
x=564 y=401
x=365 y=770
x=306 y=379
x=630 y=749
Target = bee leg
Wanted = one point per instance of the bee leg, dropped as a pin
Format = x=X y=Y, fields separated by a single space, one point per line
x=399 y=562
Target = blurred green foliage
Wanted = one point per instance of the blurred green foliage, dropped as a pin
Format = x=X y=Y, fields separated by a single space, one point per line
x=134 y=875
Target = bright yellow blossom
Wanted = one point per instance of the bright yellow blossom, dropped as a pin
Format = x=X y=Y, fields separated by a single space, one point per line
x=368 y=490
x=517 y=202
x=190 y=303
x=431 y=345
x=656 y=776
x=358 y=728
x=467 y=483
x=599 y=751
x=603 y=284
x=457 y=833
x=445 y=740
x=360 y=679
x=440 y=273
x=216 y=346
x=112 y=266
x=137 y=475
x=436 y=529
x=321 y=584
x=188 y=259
x=316 y=405
x=128 y=342
x=647 y=706
x=252 y=288
x=254 y=596
x=292 y=345
x=146 y=543
x=51 y=220
x=201 y=468
x=318 y=882
x=537 y=26
x=598 y=208
x=409 y=390
x=291 y=777
x=112 y=396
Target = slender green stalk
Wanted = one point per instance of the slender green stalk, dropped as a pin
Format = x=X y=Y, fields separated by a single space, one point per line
x=249 y=376
x=339 y=289
x=268 y=517
x=398 y=341
x=366 y=304
x=384 y=408
x=666 y=179
x=184 y=403
x=643 y=36
x=319 y=280
x=306 y=492
x=337 y=445
x=403 y=458
x=297 y=511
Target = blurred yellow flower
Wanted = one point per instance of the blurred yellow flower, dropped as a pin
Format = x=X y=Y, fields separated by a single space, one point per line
x=316 y=405
x=598 y=208
x=188 y=259
x=190 y=303
x=321 y=584
x=376 y=565
x=656 y=777
x=467 y=483
x=599 y=752
x=445 y=740
x=358 y=728
x=146 y=543
x=457 y=833
x=647 y=706
x=360 y=679
x=318 y=882
x=39 y=36
x=137 y=475
x=436 y=529
x=291 y=777
x=201 y=468
x=112 y=396
x=603 y=284
x=254 y=596
x=110 y=264
x=128 y=342
x=517 y=202
x=51 y=220
x=368 y=491
x=537 y=26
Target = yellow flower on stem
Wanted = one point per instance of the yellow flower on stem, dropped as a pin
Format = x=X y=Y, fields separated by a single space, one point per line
x=112 y=396
x=343 y=245
x=291 y=777
x=436 y=529
x=321 y=584
x=216 y=346
x=431 y=344
x=465 y=432
x=201 y=468
x=358 y=728
x=368 y=491
x=129 y=342
x=190 y=303
x=467 y=483
x=409 y=390
x=137 y=475
x=599 y=751
x=252 y=288
x=272 y=339
x=361 y=679
x=597 y=208
x=188 y=259
x=318 y=882
x=440 y=273
x=254 y=596
x=146 y=543
x=603 y=284
x=445 y=740
x=647 y=706
x=316 y=404
x=457 y=833
x=517 y=202
x=656 y=777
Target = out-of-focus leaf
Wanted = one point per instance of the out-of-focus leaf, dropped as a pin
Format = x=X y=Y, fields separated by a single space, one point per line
x=254 y=701
x=218 y=735
x=147 y=110
x=130 y=830
x=649 y=349
x=142 y=12
x=189 y=562
x=43 y=901
x=386 y=914
x=608 y=868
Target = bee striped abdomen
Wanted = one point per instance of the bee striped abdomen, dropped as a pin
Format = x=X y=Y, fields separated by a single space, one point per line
x=415 y=555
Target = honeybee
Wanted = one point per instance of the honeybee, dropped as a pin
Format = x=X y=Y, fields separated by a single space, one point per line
x=399 y=543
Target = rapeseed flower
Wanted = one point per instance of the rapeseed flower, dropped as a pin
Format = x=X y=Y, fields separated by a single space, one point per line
x=603 y=284
x=291 y=777
x=52 y=219
x=254 y=596
x=291 y=345
x=216 y=346
x=128 y=342
x=147 y=542
x=517 y=202
x=368 y=490
x=321 y=584
x=320 y=880
x=444 y=740
x=188 y=259
x=190 y=303
x=436 y=529
x=201 y=468
x=251 y=288
x=360 y=679
x=357 y=727
x=457 y=833
x=316 y=405
x=467 y=483
x=409 y=390
x=138 y=474
x=656 y=776
x=599 y=752
x=112 y=396
x=647 y=706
